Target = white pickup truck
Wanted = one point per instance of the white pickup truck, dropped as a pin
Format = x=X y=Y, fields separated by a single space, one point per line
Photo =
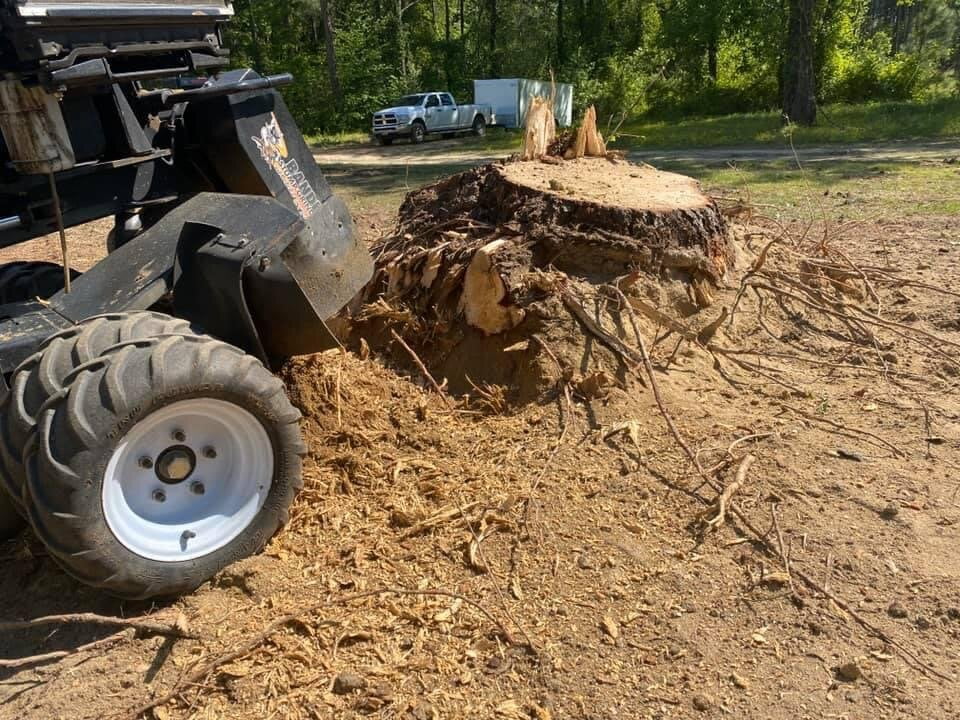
x=416 y=115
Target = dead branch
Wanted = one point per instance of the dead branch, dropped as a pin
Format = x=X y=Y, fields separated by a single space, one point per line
x=177 y=629
x=438 y=519
x=724 y=498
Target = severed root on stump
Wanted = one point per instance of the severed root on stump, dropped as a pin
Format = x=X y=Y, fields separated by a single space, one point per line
x=484 y=300
x=481 y=259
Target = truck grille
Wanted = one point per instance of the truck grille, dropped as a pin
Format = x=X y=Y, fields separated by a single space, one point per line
x=384 y=119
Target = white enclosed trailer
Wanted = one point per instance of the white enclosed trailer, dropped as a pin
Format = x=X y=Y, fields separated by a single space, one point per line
x=510 y=98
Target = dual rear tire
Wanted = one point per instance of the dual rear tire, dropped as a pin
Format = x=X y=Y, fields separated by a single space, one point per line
x=147 y=457
x=20 y=281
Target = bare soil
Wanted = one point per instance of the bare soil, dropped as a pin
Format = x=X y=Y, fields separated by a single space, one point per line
x=470 y=556
x=86 y=245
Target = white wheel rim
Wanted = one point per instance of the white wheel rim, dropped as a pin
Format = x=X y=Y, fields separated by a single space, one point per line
x=228 y=485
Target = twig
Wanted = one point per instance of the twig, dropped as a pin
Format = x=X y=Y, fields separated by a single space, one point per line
x=729 y=457
x=854 y=431
x=784 y=555
x=645 y=358
x=869 y=319
x=100 y=644
x=839 y=602
x=199 y=674
x=423 y=369
x=724 y=497
x=177 y=629
x=437 y=519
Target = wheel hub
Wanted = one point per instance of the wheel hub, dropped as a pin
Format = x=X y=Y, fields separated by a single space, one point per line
x=176 y=464
x=187 y=479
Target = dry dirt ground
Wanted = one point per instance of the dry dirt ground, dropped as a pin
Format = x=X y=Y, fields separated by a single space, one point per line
x=467 y=557
x=453 y=152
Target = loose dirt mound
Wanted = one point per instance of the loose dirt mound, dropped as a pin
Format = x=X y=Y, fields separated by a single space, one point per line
x=493 y=275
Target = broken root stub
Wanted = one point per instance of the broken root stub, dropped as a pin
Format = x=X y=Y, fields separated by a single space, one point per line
x=480 y=257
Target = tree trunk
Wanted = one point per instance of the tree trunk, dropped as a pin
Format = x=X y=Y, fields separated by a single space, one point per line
x=255 y=38
x=712 y=57
x=561 y=50
x=401 y=41
x=799 y=85
x=956 y=44
x=494 y=20
x=463 y=39
x=447 y=59
x=539 y=129
x=329 y=36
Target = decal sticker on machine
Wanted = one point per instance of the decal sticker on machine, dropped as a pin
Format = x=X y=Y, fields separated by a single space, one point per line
x=273 y=149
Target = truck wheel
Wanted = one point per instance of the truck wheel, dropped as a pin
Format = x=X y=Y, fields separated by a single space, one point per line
x=28 y=280
x=160 y=463
x=418 y=132
x=385 y=141
x=479 y=128
x=41 y=375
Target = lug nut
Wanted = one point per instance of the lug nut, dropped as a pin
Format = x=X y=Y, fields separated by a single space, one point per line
x=209 y=452
x=159 y=496
x=197 y=488
x=145 y=462
x=179 y=435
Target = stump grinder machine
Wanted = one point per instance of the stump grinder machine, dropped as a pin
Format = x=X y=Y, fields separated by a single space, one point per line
x=143 y=435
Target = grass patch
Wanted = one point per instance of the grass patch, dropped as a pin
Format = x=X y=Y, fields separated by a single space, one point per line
x=847 y=189
x=495 y=139
x=871 y=122
x=353 y=137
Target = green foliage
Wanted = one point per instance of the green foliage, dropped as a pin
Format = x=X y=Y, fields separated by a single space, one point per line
x=653 y=59
x=866 y=122
x=866 y=71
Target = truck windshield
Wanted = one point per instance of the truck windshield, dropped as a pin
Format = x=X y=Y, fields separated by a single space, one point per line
x=409 y=100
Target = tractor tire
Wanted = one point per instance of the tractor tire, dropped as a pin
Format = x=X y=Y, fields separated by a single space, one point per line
x=160 y=463
x=28 y=280
x=11 y=522
x=41 y=375
x=479 y=127
x=418 y=132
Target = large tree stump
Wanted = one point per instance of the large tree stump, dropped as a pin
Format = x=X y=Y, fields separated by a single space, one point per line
x=590 y=217
x=484 y=254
